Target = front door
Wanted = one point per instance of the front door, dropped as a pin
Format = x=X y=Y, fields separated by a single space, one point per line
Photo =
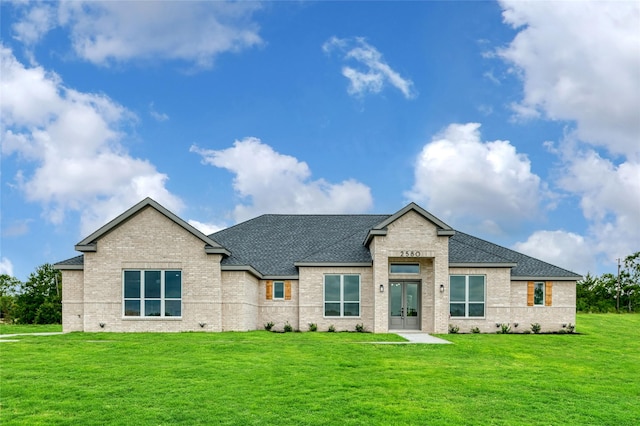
x=404 y=305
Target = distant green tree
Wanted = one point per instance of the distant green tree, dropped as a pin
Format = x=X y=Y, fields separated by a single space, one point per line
x=630 y=282
x=8 y=288
x=40 y=298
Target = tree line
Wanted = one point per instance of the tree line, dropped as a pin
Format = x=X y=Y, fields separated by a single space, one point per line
x=618 y=292
x=36 y=301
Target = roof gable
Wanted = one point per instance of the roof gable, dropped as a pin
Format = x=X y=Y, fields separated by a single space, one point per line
x=89 y=244
x=381 y=228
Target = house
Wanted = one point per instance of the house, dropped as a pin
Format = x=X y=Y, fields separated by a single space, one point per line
x=149 y=270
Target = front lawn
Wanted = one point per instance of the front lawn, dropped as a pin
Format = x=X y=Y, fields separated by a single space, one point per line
x=325 y=378
x=29 y=328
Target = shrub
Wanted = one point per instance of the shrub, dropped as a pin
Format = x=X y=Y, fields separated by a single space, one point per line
x=475 y=330
x=331 y=329
x=313 y=326
x=288 y=327
x=562 y=331
x=505 y=328
x=571 y=328
x=453 y=329
x=535 y=327
x=360 y=328
x=268 y=326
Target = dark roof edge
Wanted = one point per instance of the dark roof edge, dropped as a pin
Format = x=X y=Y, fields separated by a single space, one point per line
x=89 y=243
x=543 y=278
x=444 y=230
x=242 y=268
x=482 y=265
x=334 y=264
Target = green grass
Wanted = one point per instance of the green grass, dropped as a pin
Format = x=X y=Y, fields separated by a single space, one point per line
x=29 y=328
x=325 y=378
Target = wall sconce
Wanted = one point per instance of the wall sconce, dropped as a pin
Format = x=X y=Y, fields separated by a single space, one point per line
x=381 y=288
x=498 y=325
x=202 y=324
x=564 y=325
x=515 y=324
x=102 y=325
x=441 y=288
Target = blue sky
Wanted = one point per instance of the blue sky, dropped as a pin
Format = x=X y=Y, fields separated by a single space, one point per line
x=517 y=122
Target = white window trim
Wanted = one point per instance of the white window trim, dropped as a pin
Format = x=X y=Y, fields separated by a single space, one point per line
x=466 y=296
x=544 y=291
x=142 y=298
x=274 y=290
x=342 y=301
x=404 y=263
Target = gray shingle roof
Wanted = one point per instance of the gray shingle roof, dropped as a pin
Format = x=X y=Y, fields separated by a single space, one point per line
x=273 y=245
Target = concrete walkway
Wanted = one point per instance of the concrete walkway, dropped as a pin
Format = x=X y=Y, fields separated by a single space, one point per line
x=424 y=338
x=4 y=337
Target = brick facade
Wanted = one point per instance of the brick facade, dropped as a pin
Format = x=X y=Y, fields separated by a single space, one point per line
x=214 y=299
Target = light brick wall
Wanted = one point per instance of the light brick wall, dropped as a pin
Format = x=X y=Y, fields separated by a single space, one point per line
x=72 y=300
x=551 y=318
x=497 y=299
x=239 y=301
x=412 y=232
x=311 y=296
x=279 y=311
x=149 y=240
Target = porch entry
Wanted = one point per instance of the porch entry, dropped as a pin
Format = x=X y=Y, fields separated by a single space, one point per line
x=404 y=305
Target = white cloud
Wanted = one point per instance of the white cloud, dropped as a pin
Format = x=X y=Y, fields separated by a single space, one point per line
x=374 y=72
x=277 y=183
x=570 y=250
x=158 y=116
x=71 y=143
x=580 y=61
x=488 y=184
x=6 y=267
x=206 y=228
x=117 y=31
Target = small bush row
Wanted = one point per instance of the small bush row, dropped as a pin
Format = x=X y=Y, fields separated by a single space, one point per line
x=287 y=328
x=505 y=328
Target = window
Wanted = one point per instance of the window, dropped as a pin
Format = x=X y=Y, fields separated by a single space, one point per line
x=278 y=290
x=342 y=295
x=152 y=293
x=466 y=295
x=405 y=268
x=538 y=294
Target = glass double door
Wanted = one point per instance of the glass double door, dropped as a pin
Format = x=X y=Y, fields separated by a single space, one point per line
x=404 y=305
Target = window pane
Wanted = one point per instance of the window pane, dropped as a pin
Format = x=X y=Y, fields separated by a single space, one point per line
x=332 y=288
x=405 y=268
x=456 y=309
x=538 y=294
x=132 y=285
x=352 y=288
x=331 y=309
x=476 y=309
x=152 y=308
x=476 y=288
x=152 y=284
x=351 y=309
x=278 y=290
x=172 y=308
x=457 y=293
x=173 y=284
x=131 y=308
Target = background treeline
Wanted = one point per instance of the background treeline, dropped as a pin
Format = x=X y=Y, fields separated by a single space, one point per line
x=36 y=301
x=599 y=294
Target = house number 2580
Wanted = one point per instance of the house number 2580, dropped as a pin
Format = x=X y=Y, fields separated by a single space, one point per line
x=409 y=253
